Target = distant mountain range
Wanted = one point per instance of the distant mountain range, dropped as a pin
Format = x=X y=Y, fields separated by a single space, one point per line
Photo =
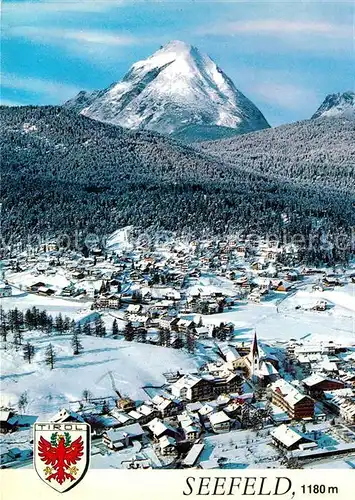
x=340 y=104
x=319 y=151
x=177 y=91
x=180 y=91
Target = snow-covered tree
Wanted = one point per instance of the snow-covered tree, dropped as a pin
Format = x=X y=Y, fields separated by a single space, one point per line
x=28 y=352
x=75 y=342
x=50 y=356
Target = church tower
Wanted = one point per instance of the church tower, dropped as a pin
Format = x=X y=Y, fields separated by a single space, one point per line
x=254 y=359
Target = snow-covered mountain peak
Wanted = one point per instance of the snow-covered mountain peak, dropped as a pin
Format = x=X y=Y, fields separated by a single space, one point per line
x=339 y=104
x=176 y=87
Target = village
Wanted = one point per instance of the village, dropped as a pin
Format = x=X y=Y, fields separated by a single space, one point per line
x=208 y=354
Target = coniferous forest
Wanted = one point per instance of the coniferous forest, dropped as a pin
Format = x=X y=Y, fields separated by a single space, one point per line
x=64 y=173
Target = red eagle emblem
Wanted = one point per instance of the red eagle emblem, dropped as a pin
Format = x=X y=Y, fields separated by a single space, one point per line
x=60 y=455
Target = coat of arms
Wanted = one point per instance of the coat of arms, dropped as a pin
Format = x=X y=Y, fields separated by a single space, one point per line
x=61 y=453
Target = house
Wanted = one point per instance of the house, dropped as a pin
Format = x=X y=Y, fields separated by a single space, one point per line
x=347 y=410
x=159 y=428
x=230 y=382
x=78 y=275
x=166 y=407
x=190 y=424
x=167 y=445
x=193 y=407
x=108 y=301
x=290 y=399
x=207 y=409
x=87 y=318
x=5 y=427
x=220 y=422
x=191 y=388
x=334 y=399
x=15 y=454
x=122 y=437
x=186 y=325
x=148 y=411
x=35 y=286
x=168 y=323
x=126 y=404
x=288 y=438
x=201 y=331
x=121 y=418
x=133 y=308
x=5 y=456
x=45 y=290
x=22 y=421
x=284 y=287
x=66 y=416
x=230 y=355
x=193 y=455
x=316 y=384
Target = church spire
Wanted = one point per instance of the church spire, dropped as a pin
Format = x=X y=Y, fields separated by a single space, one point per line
x=254 y=347
x=254 y=359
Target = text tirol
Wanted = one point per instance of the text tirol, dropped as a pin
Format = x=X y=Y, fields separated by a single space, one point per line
x=61 y=427
x=239 y=486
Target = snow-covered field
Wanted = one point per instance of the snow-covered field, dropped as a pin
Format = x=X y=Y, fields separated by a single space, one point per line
x=53 y=305
x=280 y=320
x=133 y=365
x=241 y=449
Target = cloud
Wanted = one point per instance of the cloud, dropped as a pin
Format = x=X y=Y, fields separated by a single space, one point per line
x=59 y=36
x=281 y=27
x=300 y=34
x=45 y=7
x=287 y=96
x=47 y=89
x=9 y=102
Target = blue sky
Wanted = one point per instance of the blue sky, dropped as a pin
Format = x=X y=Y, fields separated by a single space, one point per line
x=285 y=56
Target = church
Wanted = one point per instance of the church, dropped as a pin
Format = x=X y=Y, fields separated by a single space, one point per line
x=262 y=366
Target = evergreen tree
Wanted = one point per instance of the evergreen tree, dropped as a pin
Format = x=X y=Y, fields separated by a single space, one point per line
x=49 y=324
x=87 y=329
x=87 y=395
x=50 y=356
x=4 y=327
x=142 y=335
x=190 y=342
x=268 y=410
x=35 y=315
x=42 y=320
x=59 y=323
x=72 y=326
x=66 y=324
x=75 y=342
x=18 y=338
x=115 y=330
x=28 y=352
x=128 y=332
x=100 y=329
x=179 y=342
x=105 y=408
x=23 y=401
x=28 y=319
x=167 y=338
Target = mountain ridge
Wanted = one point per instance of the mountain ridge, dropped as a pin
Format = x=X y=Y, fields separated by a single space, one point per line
x=338 y=104
x=176 y=87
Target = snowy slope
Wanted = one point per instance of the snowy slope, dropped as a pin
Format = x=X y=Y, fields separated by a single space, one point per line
x=132 y=364
x=178 y=86
x=340 y=104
